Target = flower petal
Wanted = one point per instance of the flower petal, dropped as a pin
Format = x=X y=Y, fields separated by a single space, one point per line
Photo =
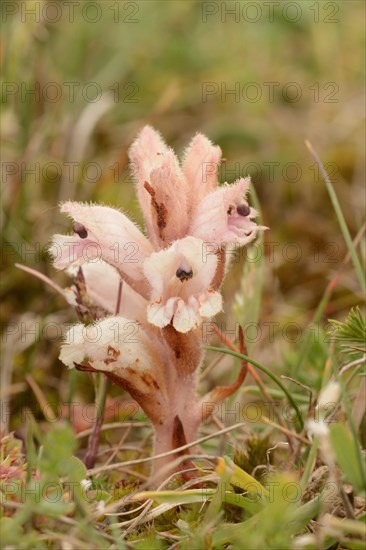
x=186 y=317
x=168 y=191
x=105 y=234
x=221 y=217
x=179 y=277
x=160 y=314
x=160 y=268
x=115 y=345
x=145 y=155
x=210 y=303
x=201 y=167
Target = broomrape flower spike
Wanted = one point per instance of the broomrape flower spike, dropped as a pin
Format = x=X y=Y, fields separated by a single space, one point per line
x=144 y=334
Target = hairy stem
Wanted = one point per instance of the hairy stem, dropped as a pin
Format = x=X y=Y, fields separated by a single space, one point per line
x=179 y=426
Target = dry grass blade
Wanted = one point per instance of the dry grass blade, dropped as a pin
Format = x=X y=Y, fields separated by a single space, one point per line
x=108 y=467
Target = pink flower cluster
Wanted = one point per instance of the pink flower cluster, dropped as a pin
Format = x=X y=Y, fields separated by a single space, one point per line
x=170 y=286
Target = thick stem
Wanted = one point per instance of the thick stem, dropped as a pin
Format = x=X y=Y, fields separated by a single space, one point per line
x=166 y=440
x=179 y=427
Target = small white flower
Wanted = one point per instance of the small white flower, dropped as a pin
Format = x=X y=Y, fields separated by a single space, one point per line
x=329 y=396
x=317 y=428
x=305 y=541
x=85 y=484
x=320 y=429
x=101 y=506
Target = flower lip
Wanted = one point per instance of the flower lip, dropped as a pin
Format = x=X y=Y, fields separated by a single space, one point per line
x=243 y=210
x=80 y=230
x=184 y=271
x=224 y=216
x=184 y=275
x=182 y=305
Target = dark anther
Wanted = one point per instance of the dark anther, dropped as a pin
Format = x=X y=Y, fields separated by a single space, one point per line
x=243 y=210
x=80 y=230
x=184 y=275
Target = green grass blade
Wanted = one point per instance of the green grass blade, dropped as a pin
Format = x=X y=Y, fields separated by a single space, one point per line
x=248 y=299
x=176 y=498
x=342 y=222
x=273 y=377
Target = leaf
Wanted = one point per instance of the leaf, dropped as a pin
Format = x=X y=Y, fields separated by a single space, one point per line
x=191 y=496
x=249 y=505
x=176 y=497
x=149 y=543
x=76 y=470
x=239 y=478
x=214 y=509
x=300 y=517
x=11 y=532
x=275 y=525
x=54 y=508
x=58 y=447
x=351 y=333
x=354 y=544
x=348 y=456
x=97 y=495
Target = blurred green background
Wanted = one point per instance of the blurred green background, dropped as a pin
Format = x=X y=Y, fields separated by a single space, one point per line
x=101 y=70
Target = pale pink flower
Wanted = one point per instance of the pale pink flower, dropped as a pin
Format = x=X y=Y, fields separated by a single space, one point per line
x=127 y=354
x=147 y=297
x=116 y=345
x=161 y=187
x=179 y=203
x=146 y=155
x=224 y=217
x=180 y=277
x=106 y=234
x=201 y=168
